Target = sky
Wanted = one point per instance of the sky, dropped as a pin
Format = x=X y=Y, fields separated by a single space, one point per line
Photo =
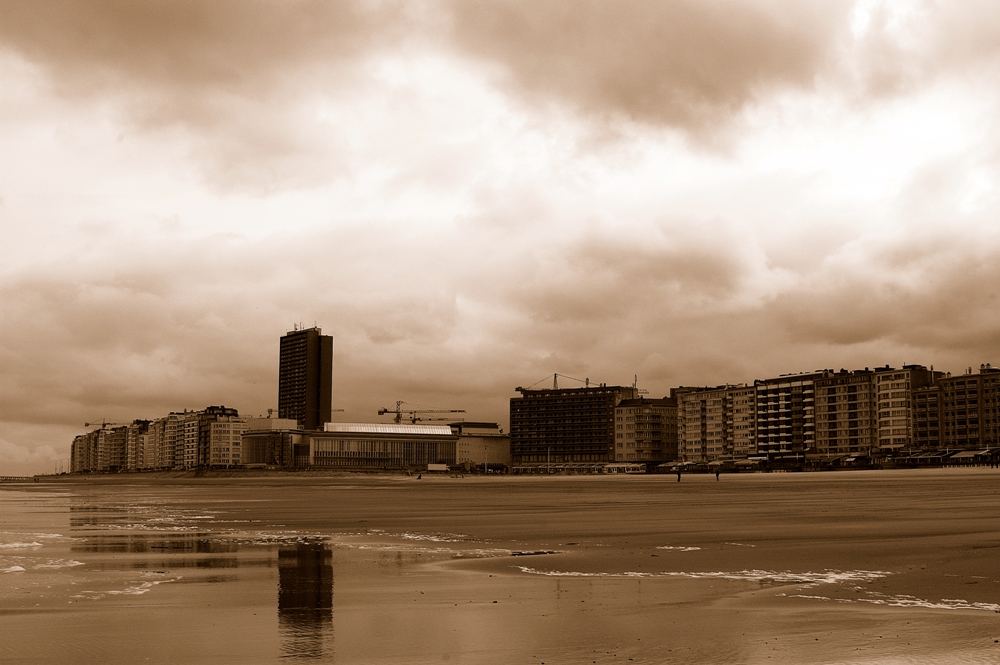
x=471 y=197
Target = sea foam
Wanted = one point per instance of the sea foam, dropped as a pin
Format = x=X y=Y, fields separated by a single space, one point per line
x=808 y=578
x=20 y=545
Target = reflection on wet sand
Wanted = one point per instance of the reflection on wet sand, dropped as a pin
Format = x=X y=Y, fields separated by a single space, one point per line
x=305 y=599
x=192 y=543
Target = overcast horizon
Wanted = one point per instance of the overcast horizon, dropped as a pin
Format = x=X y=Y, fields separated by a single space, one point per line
x=472 y=196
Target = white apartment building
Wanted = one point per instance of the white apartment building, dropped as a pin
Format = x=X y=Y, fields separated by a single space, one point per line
x=225 y=437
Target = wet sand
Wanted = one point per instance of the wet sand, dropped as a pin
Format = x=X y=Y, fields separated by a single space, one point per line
x=853 y=567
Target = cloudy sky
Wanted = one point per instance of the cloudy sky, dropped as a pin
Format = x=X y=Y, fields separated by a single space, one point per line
x=471 y=196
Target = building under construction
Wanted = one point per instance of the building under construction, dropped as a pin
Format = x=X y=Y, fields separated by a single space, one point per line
x=565 y=425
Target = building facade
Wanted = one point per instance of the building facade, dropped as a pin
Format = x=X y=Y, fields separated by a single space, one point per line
x=563 y=425
x=702 y=424
x=381 y=446
x=894 y=391
x=786 y=415
x=481 y=446
x=225 y=438
x=135 y=444
x=646 y=430
x=271 y=442
x=927 y=418
x=970 y=409
x=845 y=414
x=740 y=434
x=305 y=378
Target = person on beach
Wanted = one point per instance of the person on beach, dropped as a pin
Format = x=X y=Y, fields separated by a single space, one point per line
x=678 y=475
x=717 y=472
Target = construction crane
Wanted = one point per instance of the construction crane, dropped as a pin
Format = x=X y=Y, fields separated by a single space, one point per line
x=555 y=382
x=101 y=425
x=413 y=415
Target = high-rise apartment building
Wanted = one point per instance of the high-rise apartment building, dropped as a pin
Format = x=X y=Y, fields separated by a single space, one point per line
x=701 y=421
x=970 y=409
x=845 y=413
x=716 y=423
x=646 y=430
x=135 y=444
x=305 y=377
x=741 y=421
x=565 y=425
x=225 y=438
x=111 y=453
x=894 y=389
x=927 y=418
x=786 y=414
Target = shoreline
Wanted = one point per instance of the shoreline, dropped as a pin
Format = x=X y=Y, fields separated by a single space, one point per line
x=307 y=477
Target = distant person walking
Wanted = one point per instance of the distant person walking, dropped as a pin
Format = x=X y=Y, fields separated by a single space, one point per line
x=678 y=475
x=717 y=472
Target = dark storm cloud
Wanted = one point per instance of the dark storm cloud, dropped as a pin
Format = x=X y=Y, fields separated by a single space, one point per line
x=689 y=64
x=71 y=347
x=226 y=75
x=603 y=278
x=188 y=47
x=192 y=321
x=955 y=305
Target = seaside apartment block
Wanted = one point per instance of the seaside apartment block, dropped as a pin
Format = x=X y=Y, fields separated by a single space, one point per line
x=959 y=412
x=646 y=430
x=786 y=414
x=741 y=421
x=565 y=425
x=845 y=414
x=716 y=423
x=702 y=423
x=180 y=440
x=894 y=393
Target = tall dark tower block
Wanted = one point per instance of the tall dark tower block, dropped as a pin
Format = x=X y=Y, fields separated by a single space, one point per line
x=305 y=377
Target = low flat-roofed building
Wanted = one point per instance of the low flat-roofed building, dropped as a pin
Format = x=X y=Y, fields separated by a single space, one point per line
x=272 y=442
x=381 y=446
x=481 y=446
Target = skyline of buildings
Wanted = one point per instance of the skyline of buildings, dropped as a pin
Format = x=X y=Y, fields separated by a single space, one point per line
x=820 y=416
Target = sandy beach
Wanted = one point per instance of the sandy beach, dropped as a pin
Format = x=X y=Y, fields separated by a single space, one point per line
x=853 y=567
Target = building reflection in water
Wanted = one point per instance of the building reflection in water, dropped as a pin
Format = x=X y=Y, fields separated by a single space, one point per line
x=305 y=599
